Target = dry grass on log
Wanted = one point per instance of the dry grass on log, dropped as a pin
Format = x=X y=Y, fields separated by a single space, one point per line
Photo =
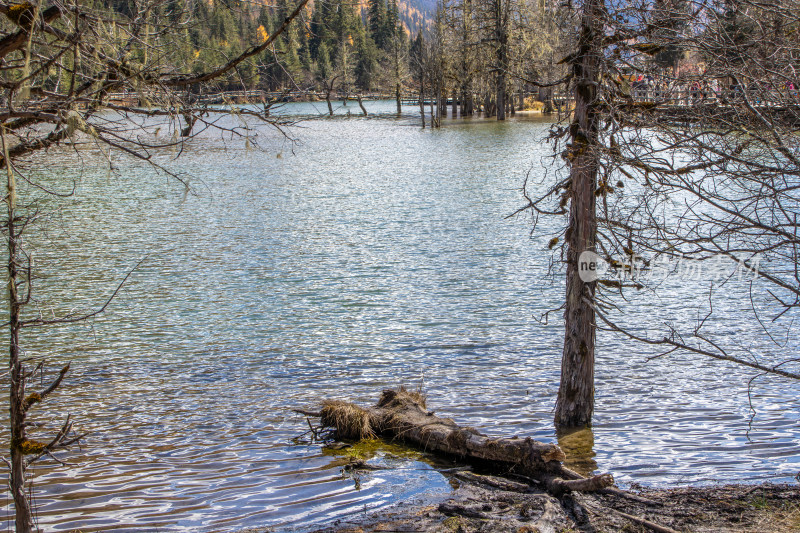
x=351 y=421
x=394 y=399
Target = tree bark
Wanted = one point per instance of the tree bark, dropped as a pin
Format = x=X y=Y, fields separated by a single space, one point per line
x=422 y=103
x=189 y=120
x=501 y=36
x=438 y=121
x=328 y=100
x=23 y=520
x=575 y=402
x=398 y=98
x=361 y=105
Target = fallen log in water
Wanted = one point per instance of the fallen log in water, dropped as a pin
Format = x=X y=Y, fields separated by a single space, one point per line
x=402 y=414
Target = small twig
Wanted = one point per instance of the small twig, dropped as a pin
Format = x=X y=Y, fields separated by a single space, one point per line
x=314 y=414
x=312 y=428
x=644 y=522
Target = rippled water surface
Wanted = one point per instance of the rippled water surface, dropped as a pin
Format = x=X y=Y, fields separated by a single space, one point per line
x=370 y=254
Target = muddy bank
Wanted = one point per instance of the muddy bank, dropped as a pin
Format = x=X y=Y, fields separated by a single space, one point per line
x=497 y=504
x=522 y=485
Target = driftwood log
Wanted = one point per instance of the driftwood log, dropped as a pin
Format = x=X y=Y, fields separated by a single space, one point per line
x=402 y=415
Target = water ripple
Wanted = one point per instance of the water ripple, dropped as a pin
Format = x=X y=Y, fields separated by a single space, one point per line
x=373 y=255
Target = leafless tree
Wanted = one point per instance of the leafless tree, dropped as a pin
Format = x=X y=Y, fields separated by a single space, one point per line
x=682 y=145
x=74 y=75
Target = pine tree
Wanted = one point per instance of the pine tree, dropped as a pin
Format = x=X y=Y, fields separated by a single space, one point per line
x=324 y=66
x=366 y=59
x=669 y=22
x=377 y=22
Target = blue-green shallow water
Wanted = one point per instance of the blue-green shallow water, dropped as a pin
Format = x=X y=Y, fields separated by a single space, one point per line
x=374 y=253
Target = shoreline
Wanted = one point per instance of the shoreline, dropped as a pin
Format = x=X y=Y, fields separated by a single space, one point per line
x=525 y=486
x=491 y=503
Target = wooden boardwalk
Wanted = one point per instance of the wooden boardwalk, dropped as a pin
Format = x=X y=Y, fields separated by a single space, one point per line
x=253 y=97
x=679 y=102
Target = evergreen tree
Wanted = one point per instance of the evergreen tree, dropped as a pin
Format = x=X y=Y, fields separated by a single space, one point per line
x=393 y=24
x=324 y=66
x=377 y=22
x=366 y=59
x=669 y=22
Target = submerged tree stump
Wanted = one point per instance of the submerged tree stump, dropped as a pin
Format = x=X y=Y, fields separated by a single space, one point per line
x=402 y=414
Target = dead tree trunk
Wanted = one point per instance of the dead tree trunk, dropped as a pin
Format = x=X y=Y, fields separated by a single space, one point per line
x=401 y=414
x=398 y=98
x=575 y=402
x=23 y=519
x=501 y=11
x=19 y=275
x=328 y=100
x=189 y=120
x=440 y=107
x=422 y=103
x=361 y=105
x=435 y=102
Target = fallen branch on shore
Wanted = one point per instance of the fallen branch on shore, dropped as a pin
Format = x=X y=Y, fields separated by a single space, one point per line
x=519 y=495
x=402 y=414
x=591 y=504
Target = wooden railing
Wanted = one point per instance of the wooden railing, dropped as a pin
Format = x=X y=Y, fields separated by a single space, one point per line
x=672 y=97
x=255 y=96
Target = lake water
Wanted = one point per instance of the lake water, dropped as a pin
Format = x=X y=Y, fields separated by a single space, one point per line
x=370 y=254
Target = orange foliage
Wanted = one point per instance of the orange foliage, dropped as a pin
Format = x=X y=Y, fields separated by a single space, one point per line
x=262 y=34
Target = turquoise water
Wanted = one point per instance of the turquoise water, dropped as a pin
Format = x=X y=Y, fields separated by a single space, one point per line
x=368 y=254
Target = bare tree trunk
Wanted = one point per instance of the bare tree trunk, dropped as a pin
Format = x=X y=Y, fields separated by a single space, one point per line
x=397 y=81
x=501 y=98
x=398 y=98
x=23 y=520
x=328 y=90
x=501 y=35
x=361 y=104
x=442 y=111
x=189 y=119
x=466 y=64
x=422 y=103
x=436 y=100
x=575 y=402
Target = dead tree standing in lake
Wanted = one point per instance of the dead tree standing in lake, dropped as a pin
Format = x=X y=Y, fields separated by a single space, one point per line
x=575 y=402
x=80 y=76
x=683 y=145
